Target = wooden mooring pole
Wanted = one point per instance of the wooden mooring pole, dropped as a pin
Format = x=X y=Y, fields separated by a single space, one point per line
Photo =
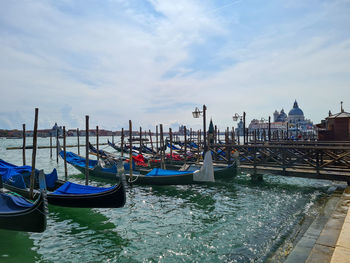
x=24 y=145
x=122 y=143
x=185 y=141
x=97 y=144
x=65 y=154
x=87 y=150
x=171 y=143
x=162 y=148
x=244 y=142
x=130 y=152
x=199 y=144
x=57 y=146
x=32 y=176
x=157 y=143
x=140 y=149
x=78 y=141
x=150 y=137
x=50 y=145
x=269 y=131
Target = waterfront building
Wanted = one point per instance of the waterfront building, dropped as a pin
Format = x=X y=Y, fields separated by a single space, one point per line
x=336 y=127
x=295 y=120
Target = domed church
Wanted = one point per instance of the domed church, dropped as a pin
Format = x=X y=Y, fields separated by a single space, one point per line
x=280 y=116
x=296 y=115
x=295 y=118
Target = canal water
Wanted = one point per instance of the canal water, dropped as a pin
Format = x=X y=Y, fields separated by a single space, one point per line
x=231 y=221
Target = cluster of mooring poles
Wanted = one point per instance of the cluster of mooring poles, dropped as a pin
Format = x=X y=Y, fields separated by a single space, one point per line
x=271 y=150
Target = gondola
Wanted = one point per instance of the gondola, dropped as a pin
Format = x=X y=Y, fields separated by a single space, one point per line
x=96 y=168
x=19 y=214
x=159 y=176
x=69 y=194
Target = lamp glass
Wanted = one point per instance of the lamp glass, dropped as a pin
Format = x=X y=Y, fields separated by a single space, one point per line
x=196 y=113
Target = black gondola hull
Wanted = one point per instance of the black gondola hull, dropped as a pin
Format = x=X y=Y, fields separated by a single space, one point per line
x=32 y=219
x=113 y=198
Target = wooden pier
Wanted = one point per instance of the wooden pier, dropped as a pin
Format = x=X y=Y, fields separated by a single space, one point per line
x=329 y=161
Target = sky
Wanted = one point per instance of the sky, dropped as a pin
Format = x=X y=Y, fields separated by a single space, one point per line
x=155 y=61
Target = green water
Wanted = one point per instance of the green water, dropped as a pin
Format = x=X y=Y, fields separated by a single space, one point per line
x=231 y=221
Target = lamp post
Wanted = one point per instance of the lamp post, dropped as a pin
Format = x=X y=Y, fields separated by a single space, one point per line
x=196 y=114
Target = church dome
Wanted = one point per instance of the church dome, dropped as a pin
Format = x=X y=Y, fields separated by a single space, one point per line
x=282 y=117
x=296 y=110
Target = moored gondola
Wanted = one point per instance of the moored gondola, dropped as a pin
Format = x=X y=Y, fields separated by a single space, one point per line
x=70 y=194
x=19 y=214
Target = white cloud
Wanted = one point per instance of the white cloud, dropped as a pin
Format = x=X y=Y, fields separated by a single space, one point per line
x=112 y=65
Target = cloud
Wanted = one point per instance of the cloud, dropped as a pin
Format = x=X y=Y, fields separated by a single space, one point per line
x=155 y=61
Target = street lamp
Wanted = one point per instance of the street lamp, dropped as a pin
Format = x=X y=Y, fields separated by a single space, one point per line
x=196 y=113
x=236 y=116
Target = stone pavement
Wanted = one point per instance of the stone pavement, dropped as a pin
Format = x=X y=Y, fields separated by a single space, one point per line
x=328 y=237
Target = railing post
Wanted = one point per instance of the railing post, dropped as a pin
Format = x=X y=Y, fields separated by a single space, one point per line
x=317 y=162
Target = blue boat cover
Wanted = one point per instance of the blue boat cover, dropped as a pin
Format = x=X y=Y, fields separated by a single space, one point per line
x=16 y=175
x=74 y=159
x=162 y=172
x=173 y=147
x=193 y=145
x=69 y=188
x=127 y=166
x=11 y=203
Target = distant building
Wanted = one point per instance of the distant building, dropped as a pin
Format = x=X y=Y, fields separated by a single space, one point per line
x=56 y=129
x=239 y=129
x=280 y=117
x=181 y=129
x=336 y=127
x=263 y=125
x=295 y=120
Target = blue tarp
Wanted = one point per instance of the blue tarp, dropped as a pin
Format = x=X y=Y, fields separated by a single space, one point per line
x=193 y=145
x=173 y=147
x=18 y=175
x=11 y=203
x=69 y=188
x=74 y=159
x=127 y=166
x=161 y=172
